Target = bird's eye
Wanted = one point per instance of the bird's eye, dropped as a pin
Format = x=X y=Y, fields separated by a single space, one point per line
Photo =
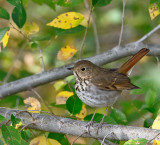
x=83 y=68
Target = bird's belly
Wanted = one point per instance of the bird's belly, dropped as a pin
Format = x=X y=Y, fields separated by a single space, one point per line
x=97 y=98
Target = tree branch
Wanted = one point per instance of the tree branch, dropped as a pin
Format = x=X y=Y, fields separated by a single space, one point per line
x=75 y=127
x=33 y=81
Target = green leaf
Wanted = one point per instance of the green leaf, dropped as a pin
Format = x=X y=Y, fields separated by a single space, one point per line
x=119 y=116
x=34 y=45
x=2 y=118
x=17 y=3
x=4 y=14
x=11 y=135
x=19 y=16
x=23 y=142
x=148 y=122
x=14 y=120
x=98 y=118
x=59 y=137
x=58 y=105
x=42 y=37
x=3 y=31
x=70 y=3
x=139 y=141
x=11 y=101
x=69 y=31
x=50 y=3
x=74 y=105
x=26 y=134
x=100 y=3
x=150 y=98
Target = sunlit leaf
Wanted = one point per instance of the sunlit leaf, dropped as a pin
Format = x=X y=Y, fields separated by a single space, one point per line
x=4 y=36
x=42 y=140
x=31 y=28
x=66 y=53
x=59 y=85
x=154 y=10
x=34 y=103
x=82 y=113
x=4 y=14
x=156 y=142
x=63 y=96
x=156 y=123
x=67 y=20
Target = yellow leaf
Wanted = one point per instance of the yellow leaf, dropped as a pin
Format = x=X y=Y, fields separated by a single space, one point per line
x=63 y=96
x=59 y=84
x=82 y=113
x=154 y=11
x=67 y=20
x=156 y=123
x=42 y=140
x=4 y=40
x=52 y=142
x=34 y=103
x=31 y=28
x=156 y=142
x=18 y=125
x=66 y=53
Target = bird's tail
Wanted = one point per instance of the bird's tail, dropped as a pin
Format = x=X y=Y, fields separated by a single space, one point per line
x=132 y=61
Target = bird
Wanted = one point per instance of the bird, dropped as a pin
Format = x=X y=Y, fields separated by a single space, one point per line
x=99 y=87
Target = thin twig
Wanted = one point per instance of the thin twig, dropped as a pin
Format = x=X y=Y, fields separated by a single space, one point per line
x=13 y=65
x=25 y=126
x=123 y=12
x=94 y=29
x=149 y=34
x=104 y=139
x=152 y=139
x=41 y=57
x=78 y=137
x=44 y=102
x=25 y=36
x=85 y=34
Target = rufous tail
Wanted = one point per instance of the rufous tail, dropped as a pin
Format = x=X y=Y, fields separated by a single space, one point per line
x=132 y=61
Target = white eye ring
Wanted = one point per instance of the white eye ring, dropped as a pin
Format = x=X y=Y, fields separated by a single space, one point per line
x=83 y=68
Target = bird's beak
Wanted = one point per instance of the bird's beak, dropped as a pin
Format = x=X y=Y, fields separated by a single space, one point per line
x=70 y=68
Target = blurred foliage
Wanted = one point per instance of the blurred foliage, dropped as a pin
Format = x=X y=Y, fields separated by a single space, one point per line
x=29 y=33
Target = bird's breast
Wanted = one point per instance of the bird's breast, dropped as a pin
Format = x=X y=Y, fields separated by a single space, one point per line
x=93 y=96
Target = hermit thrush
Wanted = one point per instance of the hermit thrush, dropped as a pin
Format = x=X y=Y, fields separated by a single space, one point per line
x=99 y=87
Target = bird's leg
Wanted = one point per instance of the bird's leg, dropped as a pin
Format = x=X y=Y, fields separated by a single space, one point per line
x=89 y=124
x=101 y=123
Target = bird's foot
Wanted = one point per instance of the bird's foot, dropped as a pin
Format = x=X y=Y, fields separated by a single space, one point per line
x=88 y=125
x=100 y=126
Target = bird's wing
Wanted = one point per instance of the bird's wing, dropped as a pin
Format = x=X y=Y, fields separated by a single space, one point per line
x=111 y=79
